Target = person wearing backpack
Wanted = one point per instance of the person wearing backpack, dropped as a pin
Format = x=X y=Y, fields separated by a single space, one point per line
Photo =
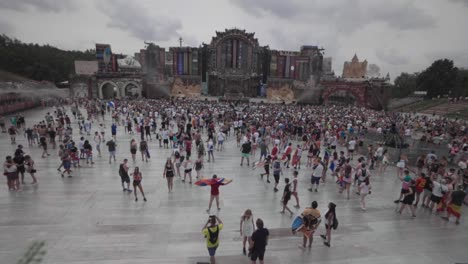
x=211 y=232
x=330 y=222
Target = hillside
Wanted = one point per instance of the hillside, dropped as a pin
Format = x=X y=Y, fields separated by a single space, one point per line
x=10 y=77
x=38 y=62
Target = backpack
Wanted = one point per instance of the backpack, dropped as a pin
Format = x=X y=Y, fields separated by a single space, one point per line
x=335 y=223
x=213 y=236
x=363 y=173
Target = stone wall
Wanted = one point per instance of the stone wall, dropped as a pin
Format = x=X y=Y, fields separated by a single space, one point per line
x=187 y=89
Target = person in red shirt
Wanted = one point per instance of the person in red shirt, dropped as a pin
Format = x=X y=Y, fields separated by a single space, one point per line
x=274 y=152
x=420 y=183
x=214 y=192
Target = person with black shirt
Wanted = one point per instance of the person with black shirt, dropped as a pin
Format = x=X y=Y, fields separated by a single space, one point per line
x=29 y=135
x=258 y=243
x=19 y=161
x=111 y=146
x=454 y=208
x=245 y=152
x=125 y=178
x=286 y=196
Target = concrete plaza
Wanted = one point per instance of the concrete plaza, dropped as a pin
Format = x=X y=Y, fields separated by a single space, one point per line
x=88 y=219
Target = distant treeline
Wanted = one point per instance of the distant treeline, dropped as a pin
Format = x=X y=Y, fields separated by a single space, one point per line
x=39 y=62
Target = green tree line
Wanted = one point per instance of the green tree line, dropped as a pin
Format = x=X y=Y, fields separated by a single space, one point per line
x=39 y=62
x=440 y=79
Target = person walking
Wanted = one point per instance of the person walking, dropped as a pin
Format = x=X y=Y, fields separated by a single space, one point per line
x=133 y=149
x=187 y=170
x=137 y=178
x=245 y=152
x=294 y=188
x=409 y=198
x=29 y=165
x=364 y=190
x=111 y=147
x=454 y=207
x=211 y=232
x=330 y=220
x=259 y=241
x=277 y=170
x=286 y=196
x=168 y=174
x=123 y=173
x=210 y=147
x=246 y=229
x=198 y=167
x=317 y=170
x=266 y=167
x=98 y=140
x=144 y=150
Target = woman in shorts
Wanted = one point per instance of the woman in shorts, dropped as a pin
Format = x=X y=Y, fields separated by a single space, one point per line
x=29 y=165
x=137 y=177
x=187 y=170
x=198 y=166
x=168 y=173
x=409 y=199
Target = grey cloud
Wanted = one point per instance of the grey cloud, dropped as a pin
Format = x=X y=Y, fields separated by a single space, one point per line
x=280 y=8
x=40 y=5
x=5 y=27
x=392 y=57
x=138 y=21
x=465 y=2
x=459 y=57
x=345 y=15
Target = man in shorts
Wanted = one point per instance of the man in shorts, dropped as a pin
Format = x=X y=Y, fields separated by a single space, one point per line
x=258 y=243
x=211 y=232
x=123 y=172
x=317 y=171
x=277 y=170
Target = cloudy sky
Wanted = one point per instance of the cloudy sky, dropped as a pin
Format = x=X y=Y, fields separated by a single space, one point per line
x=397 y=35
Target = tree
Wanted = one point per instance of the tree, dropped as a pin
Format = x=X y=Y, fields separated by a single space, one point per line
x=39 y=62
x=461 y=86
x=405 y=85
x=438 y=79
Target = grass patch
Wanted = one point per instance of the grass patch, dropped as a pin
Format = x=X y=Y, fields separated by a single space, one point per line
x=422 y=105
x=462 y=114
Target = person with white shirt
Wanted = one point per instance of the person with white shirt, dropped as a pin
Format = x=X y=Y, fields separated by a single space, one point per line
x=317 y=171
x=98 y=140
x=364 y=190
x=351 y=147
x=221 y=137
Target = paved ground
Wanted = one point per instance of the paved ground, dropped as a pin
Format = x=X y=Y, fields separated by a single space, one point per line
x=87 y=218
